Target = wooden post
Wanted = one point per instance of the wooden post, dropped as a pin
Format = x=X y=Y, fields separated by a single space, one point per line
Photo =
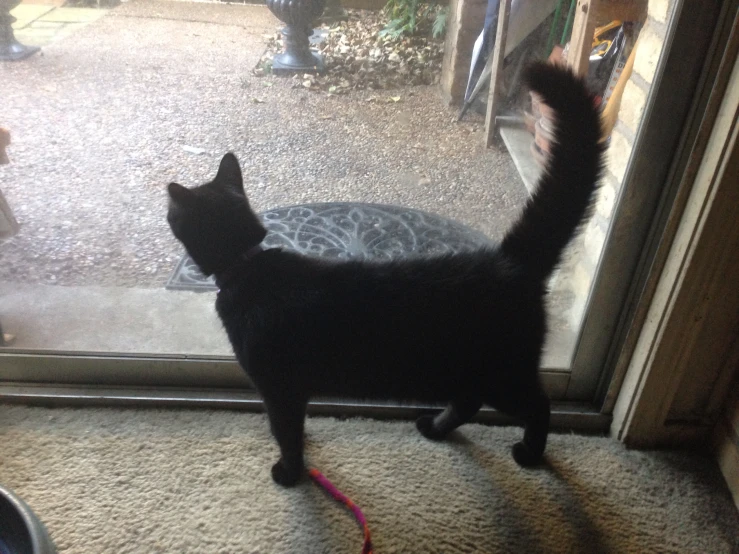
x=8 y=224
x=581 y=43
x=4 y=143
x=6 y=339
x=504 y=11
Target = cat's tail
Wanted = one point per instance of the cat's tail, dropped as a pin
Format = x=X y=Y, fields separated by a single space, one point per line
x=564 y=194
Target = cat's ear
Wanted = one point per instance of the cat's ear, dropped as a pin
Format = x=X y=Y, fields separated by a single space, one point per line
x=229 y=174
x=179 y=194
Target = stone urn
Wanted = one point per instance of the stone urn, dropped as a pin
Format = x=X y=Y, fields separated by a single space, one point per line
x=298 y=16
x=10 y=48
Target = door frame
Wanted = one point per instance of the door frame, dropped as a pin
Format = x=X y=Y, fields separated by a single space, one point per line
x=670 y=142
x=667 y=136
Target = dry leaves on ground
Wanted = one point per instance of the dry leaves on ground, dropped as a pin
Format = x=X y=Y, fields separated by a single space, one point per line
x=357 y=57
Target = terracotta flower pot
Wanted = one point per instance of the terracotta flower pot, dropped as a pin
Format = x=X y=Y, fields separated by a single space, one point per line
x=544 y=135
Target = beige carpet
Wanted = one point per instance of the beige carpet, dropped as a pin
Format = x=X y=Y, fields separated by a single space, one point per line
x=123 y=481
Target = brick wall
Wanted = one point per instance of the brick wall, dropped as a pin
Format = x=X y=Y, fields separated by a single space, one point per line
x=585 y=253
x=575 y=277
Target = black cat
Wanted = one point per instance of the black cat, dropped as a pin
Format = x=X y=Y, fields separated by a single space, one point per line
x=466 y=329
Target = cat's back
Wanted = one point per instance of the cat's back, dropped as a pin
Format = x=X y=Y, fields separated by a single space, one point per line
x=342 y=321
x=288 y=278
x=408 y=291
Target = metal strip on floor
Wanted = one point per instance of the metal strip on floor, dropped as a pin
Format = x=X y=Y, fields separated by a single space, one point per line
x=565 y=416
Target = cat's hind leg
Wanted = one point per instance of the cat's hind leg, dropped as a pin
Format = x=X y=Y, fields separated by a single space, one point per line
x=287 y=420
x=531 y=405
x=458 y=412
x=529 y=451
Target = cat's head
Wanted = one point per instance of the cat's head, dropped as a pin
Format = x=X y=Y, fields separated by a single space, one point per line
x=214 y=221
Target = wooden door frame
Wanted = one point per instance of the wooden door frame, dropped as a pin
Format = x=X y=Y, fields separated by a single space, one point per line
x=699 y=252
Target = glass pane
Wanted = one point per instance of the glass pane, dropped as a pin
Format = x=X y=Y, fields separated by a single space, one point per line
x=616 y=46
x=364 y=161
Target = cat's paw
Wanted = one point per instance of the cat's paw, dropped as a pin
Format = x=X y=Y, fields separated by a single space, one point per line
x=524 y=456
x=282 y=476
x=425 y=426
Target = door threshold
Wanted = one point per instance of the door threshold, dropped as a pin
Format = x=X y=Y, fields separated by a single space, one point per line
x=566 y=416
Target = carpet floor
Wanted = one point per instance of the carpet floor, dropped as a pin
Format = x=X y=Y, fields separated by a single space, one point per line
x=179 y=481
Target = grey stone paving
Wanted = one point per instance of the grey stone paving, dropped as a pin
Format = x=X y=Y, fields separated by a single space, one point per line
x=99 y=122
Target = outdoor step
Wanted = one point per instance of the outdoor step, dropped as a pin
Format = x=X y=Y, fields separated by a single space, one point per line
x=40 y=25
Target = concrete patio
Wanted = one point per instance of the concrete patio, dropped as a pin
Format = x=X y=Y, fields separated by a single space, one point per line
x=109 y=113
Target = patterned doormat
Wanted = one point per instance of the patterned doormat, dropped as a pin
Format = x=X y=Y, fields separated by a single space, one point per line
x=350 y=231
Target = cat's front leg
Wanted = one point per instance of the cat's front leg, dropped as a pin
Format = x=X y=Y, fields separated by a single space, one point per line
x=286 y=412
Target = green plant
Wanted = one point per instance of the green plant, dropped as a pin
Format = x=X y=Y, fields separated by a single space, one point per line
x=403 y=16
x=407 y=15
x=439 y=27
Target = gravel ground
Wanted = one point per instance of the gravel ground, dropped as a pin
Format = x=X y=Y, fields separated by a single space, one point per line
x=99 y=122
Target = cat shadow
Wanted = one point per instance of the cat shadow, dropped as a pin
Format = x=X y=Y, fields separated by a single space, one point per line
x=527 y=497
x=517 y=517
x=544 y=509
x=570 y=493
